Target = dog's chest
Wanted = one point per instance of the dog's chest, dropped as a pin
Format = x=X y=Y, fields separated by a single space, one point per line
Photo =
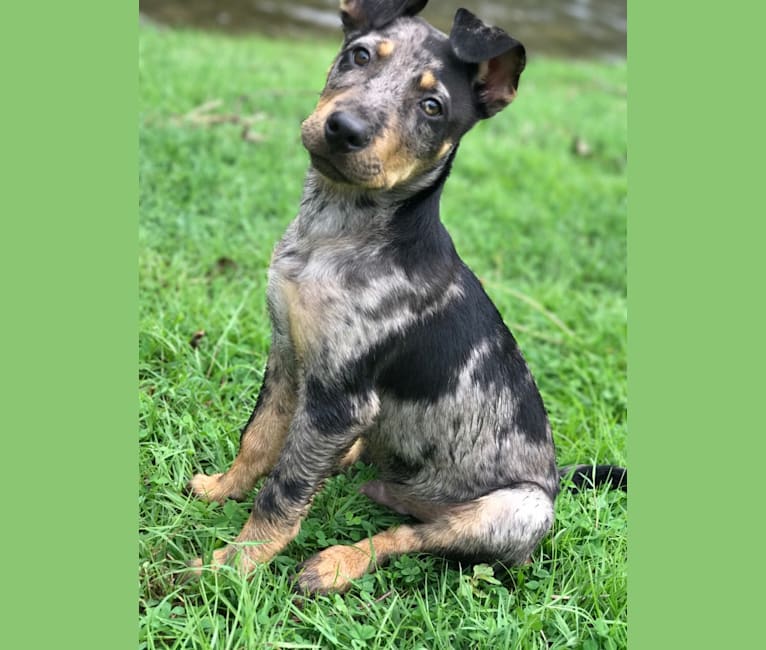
x=302 y=294
x=315 y=302
x=338 y=288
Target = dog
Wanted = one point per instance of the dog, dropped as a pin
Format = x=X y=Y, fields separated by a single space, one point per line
x=384 y=344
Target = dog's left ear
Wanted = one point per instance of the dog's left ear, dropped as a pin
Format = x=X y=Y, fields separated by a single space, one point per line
x=364 y=15
x=500 y=59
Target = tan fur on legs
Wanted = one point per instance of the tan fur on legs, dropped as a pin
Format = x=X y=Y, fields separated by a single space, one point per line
x=207 y=487
x=334 y=568
x=259 y=448
x=257 y=543
x=256 y=457
x=506 y=524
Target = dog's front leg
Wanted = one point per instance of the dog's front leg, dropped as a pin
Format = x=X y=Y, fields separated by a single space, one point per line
x=262 y=437
x=331 y=415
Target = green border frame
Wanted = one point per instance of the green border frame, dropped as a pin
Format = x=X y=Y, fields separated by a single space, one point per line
x=695 y=284
x=68 y=245
x=68 y=242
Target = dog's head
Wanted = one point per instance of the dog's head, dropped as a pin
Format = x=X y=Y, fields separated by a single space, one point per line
x=401 y=94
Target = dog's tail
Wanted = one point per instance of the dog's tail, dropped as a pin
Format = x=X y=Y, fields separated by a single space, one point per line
x=592 y=476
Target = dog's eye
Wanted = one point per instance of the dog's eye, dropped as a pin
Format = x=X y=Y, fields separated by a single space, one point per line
x=431 y=107
x=360 y=56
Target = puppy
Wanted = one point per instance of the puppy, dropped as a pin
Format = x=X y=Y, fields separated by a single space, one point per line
x=383 y=340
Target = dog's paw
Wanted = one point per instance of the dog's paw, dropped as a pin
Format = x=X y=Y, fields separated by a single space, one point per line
x=195 y=567
x=243 y=558
x=332 y=570
x=209 y=488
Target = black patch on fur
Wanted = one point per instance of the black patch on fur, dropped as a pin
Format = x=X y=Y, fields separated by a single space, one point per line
x=424 y=361
x=330 y=401
x=328 y=406
x=280 y=491
x=529 y=416
x=420 y=244
x=267 y=500
x=295 y=489
x=403 y=467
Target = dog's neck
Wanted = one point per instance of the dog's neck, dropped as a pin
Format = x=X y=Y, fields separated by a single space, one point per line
x=385 y=229
x=329 y=210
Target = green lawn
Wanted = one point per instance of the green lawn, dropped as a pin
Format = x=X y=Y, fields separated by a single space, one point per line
x=536 y=205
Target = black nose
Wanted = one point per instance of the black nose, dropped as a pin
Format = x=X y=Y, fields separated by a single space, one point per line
x=345 y=132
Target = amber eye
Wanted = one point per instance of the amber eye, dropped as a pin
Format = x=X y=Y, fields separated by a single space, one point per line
x=360 y=56
x=431 y=107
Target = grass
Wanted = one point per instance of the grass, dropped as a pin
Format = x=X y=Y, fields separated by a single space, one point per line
x=536 y=205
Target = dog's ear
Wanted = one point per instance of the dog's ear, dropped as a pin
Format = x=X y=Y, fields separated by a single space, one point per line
x=500 y=59
x=363 y=15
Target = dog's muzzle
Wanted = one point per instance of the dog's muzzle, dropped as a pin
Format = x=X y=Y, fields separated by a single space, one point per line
x=346 y=133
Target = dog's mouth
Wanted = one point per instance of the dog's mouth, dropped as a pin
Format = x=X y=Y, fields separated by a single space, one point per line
x=326 y=167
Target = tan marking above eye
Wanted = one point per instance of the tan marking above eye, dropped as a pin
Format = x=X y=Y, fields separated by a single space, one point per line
x=385 y=48
x=427 y=80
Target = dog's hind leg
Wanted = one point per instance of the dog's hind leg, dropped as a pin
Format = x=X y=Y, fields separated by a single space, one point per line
x=261 y=440
x=504 y=525
x=396 y=498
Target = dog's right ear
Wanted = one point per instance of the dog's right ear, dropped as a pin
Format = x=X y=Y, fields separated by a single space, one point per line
x=499 y=57
x=364 y=15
